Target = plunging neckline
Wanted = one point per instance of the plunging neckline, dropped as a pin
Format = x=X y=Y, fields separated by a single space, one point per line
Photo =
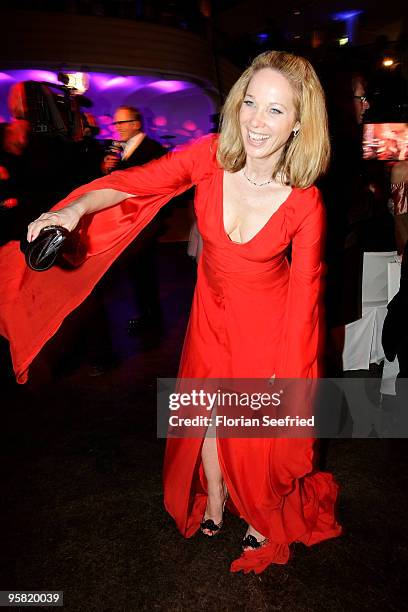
x=260 y=231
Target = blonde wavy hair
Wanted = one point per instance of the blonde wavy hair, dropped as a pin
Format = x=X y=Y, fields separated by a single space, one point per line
x=307 y=154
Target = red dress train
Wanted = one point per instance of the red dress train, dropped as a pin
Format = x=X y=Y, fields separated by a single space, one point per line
x=252 y=316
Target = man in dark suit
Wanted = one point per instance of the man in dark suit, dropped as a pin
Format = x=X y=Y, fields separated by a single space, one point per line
x=140 y=258
x=138 y=148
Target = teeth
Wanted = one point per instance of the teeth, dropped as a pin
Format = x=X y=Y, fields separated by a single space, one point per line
x=255 y=136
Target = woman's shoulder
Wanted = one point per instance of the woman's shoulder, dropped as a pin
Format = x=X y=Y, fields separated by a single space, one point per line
x=308 y=200
x=203 y=155
x=305 y=209
x=204 y=145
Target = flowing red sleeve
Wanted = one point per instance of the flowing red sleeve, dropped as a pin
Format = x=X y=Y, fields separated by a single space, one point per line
x=303 y=328
x=34 y=304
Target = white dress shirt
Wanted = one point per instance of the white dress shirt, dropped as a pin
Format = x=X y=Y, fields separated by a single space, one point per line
x=130 y=145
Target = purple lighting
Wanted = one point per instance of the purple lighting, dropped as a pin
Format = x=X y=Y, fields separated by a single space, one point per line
x=100 y=80
x=346 y=15
x=39 y=75
x=118 y=81
x=174 y=111
x=104 y=81
x=171 y=86
x=189 y=125
x=262 y=37
x=5 y=77
x=350 y=18
x=160 y=121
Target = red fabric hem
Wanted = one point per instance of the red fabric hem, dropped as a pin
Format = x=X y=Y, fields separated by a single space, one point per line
x=258 y=560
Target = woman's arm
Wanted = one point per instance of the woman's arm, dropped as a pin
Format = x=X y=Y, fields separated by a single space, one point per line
x=32 y=310
x=70 y=216
x=150 y=185
x=302 y=331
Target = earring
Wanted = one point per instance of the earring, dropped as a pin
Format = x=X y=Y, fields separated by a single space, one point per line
x=295 y=132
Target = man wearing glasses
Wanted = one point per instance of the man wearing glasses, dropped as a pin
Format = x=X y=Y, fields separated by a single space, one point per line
x=137 y=147
x=361 y=104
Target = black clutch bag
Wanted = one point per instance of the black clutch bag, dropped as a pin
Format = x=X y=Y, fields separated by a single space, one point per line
x=43 y=252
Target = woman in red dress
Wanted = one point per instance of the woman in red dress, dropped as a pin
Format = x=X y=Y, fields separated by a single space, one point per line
x=254 y=315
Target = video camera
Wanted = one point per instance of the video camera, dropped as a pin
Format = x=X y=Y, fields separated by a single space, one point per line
x=50 y=108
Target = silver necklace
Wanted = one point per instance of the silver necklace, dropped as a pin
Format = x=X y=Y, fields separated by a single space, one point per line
x=253 y=182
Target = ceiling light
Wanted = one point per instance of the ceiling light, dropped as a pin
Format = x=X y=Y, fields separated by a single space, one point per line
x=388 y=62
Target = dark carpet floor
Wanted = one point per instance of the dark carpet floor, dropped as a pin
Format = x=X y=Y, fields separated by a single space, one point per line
x=82 y=507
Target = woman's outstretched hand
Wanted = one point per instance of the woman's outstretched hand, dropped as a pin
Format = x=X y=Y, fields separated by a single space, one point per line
x=68 y=217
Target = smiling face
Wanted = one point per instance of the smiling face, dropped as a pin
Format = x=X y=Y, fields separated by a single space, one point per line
x=267 y=115
x=126 y=124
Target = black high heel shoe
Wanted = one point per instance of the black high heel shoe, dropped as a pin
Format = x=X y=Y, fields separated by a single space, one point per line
x=252 y=543
x=209 y=525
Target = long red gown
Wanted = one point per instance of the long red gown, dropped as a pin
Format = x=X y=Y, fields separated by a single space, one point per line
x=253 y=315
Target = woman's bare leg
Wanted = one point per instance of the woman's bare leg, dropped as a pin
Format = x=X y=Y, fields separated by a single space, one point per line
x=216 y=488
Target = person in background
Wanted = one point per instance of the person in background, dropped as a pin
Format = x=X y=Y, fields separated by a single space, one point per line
x=347 y=103
x=361 y=103
x=140 y=257
x=13 y=142
x=36 y=153
x=138 y=148
x=355 y=193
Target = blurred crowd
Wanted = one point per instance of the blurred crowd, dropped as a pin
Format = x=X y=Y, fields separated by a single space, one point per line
x=48 y=148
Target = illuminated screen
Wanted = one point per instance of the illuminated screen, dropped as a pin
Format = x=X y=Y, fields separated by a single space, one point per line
x=385 y=141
